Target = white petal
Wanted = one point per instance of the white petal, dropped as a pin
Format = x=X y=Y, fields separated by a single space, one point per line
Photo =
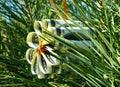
x=29 y=54
x=44 y=67
x=33 y=40
x=46 y=57
x=44 y=25
x=56 y=61
x=38 y=27
x=40 y=64
x=34 y=64
x=48 y=64
x=40 y=74
x=60 y=23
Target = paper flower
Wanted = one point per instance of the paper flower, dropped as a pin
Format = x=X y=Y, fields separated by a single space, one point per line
x=42 y=63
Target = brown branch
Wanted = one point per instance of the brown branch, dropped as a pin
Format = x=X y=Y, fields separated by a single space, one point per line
x=65 y=8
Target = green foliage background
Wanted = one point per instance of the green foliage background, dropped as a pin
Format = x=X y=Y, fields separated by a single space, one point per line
x=97 y=67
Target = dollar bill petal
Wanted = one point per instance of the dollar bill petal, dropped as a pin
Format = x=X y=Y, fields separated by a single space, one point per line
x=32 y=40
x=38 y=27
x=29 y=54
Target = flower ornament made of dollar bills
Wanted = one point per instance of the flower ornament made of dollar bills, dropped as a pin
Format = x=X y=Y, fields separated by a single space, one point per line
x=42 y=63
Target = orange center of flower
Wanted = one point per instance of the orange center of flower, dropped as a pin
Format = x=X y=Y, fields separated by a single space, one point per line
x=41 y=47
